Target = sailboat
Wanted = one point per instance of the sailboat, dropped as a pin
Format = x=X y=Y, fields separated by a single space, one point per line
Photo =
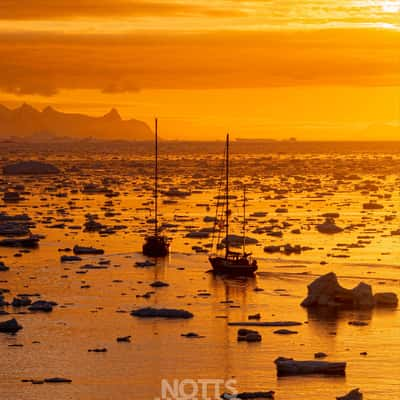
x=233 y=262
x=156 y=245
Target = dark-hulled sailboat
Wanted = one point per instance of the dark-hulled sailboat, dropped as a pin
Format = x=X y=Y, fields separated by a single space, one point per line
x=232 y=263
x=156 y=245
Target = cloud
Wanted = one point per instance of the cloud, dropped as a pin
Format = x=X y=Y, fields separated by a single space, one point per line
x=66 y=9
x=115 y=16
x=35 y=63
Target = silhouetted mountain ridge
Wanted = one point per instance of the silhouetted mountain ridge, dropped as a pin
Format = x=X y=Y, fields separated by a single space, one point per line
x=26 y=121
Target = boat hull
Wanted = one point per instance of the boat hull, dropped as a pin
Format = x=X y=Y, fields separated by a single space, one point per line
x=156 y=246
x=226 y=267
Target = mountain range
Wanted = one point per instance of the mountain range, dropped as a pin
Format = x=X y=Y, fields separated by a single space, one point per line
x=49 y=124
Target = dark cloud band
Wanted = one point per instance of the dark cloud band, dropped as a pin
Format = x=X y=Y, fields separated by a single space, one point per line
x=45 y=63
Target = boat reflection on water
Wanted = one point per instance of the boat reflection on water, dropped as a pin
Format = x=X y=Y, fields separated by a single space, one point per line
x=233 y=289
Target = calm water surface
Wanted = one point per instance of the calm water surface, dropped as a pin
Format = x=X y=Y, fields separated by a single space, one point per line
x=56 y=344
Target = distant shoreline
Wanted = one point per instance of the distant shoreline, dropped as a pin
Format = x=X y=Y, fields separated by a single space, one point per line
x=183 y=141
x=187 y=147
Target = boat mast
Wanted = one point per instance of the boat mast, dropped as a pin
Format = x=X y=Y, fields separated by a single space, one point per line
x=244 y=219
x=156 y=181
x=227 y=198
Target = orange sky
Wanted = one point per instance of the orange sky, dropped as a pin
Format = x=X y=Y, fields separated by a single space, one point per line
x=314 y=69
